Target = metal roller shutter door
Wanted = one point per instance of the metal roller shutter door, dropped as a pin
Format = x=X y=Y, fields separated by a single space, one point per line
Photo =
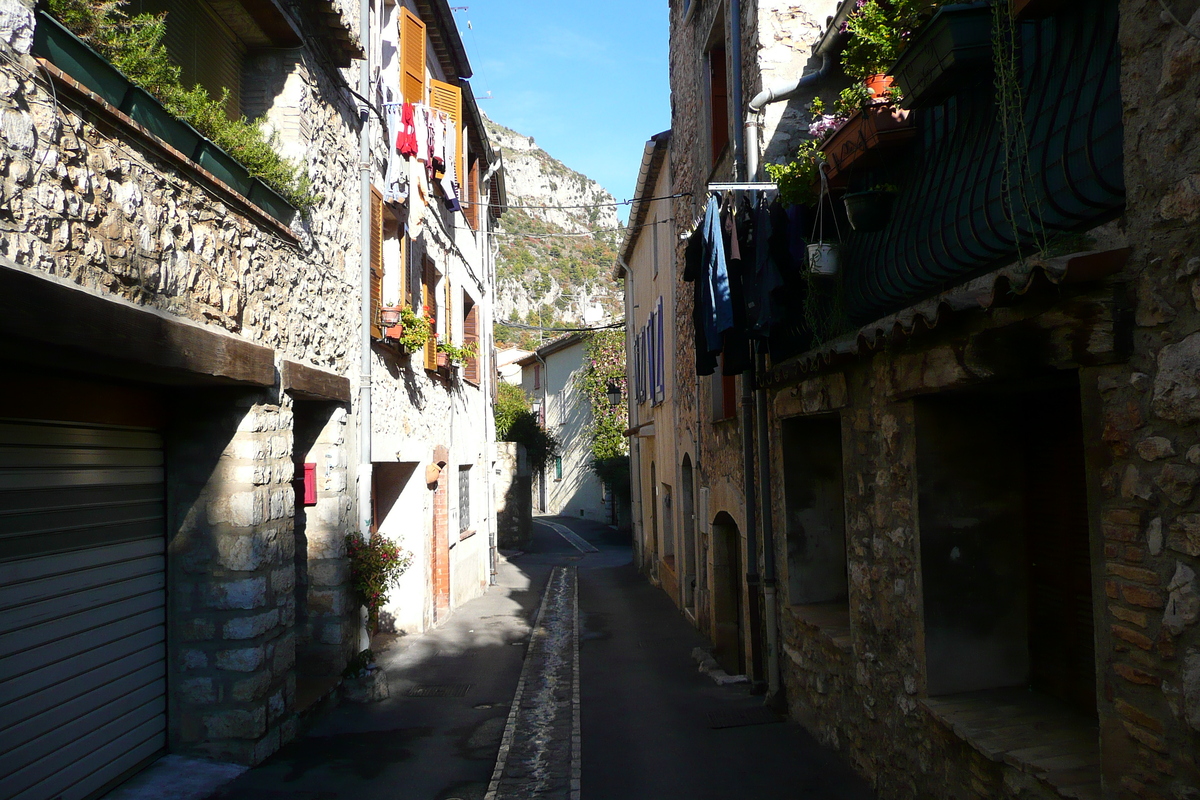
x=82 y=606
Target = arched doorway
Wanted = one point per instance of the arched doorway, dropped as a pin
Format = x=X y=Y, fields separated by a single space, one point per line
x=727 y=594
x=687 y=518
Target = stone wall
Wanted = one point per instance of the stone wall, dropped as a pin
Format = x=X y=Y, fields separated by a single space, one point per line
x=90 y=198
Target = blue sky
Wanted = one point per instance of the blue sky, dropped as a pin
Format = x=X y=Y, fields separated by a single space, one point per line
x=587 y=80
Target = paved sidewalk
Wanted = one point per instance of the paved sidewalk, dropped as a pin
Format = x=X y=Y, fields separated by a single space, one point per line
x=418 y=747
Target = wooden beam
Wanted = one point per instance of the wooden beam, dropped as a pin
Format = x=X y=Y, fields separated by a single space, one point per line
x=310 y=383
x=41 y=311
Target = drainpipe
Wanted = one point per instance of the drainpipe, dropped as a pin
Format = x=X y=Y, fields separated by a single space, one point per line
x=753 y=579
x=771 y=623
x=364 y=379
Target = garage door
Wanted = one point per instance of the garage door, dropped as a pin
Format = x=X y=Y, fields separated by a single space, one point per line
x=82 y=606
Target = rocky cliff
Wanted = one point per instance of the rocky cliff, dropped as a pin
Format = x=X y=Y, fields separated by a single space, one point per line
x=552 y=268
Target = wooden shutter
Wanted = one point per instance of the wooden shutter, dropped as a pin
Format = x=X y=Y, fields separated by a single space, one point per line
x=429 y=300
x=471 y=334
x=471 y=201
x=412 y=57
x=448 y=98
x=448 y=312
x=206 y=49
x=376 y=262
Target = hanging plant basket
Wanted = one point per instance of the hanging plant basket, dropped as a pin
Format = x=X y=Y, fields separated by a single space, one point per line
x=823 y=258
x=869 y=211
x=865 y=139
x=950 y=52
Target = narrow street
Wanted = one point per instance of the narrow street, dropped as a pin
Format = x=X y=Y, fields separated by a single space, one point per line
x=649 y=724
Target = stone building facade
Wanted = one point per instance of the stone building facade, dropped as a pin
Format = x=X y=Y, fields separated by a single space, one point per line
x=981 y=497
x=182 y=425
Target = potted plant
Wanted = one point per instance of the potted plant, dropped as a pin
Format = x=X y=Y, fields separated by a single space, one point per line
x=453 y=355
x=62 y=48
x=823 y=250
x=952 y=50
x=409 y=330
x=870 y=210
x=799 y=179
x=376 y=564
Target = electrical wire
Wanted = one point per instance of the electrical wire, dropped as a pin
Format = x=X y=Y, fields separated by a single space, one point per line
x=1177 y=20
x=584 y=233
x=523 y=327
x=593 y=205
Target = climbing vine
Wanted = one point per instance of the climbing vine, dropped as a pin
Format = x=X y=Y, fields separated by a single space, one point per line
x=604 y=363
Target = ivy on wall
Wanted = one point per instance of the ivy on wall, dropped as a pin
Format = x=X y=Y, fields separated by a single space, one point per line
x=604 y=363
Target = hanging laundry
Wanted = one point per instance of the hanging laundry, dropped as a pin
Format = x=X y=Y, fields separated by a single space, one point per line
x=765 y=278
x=418 y=197
x=693 y=266
x=406 y=139
x=449 y=182
x=395 y=181
x=735 y=342
x=718 y=310
x=422 y=132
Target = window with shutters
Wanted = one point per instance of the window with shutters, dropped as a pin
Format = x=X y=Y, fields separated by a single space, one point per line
x=724 y=393
x=717 y=94
x=660 y=375
x=537 y=376
x=448 y=98
x=471 y=371
x=652 y=364
x=412 y=57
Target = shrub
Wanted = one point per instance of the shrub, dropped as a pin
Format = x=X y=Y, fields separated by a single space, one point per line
x=376 y=564
x=134 y=46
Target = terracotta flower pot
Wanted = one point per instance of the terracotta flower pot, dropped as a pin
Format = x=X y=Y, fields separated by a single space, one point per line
x=443 y=360
x=878 y=86
x=389 y=316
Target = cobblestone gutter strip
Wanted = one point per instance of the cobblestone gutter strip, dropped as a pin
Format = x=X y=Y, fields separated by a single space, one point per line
x=539 y=756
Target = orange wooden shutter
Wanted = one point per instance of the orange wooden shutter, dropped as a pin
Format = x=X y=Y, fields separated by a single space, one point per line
x=471 y=334
x=448 y=312
x=429 y=300
x=412 y=57
x=376 y=262
x=448 y=98
x=471 y=201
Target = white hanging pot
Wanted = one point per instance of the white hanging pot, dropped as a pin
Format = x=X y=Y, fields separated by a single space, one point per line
x=823 y=258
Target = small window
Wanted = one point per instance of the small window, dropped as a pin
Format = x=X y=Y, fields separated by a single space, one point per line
x=654 y=244
x=464 y=498
x=718 y=100
x=558 y=468
x=537 y=376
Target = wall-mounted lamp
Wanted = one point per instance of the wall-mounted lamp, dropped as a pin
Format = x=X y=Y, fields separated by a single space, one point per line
x=613 y=393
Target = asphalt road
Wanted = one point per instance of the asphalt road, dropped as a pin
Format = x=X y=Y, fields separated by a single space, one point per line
x=651 y=725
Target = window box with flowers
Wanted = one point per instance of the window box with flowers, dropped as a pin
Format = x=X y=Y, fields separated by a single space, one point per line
x=948 y=54
x=865 y=139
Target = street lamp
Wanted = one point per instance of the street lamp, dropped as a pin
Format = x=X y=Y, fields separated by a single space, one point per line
x=613 y=393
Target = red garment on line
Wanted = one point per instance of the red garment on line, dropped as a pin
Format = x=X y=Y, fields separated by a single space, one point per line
x=406 y=140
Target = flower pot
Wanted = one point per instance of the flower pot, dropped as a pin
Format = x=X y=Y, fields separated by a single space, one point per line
x=271 y=202
x=225 y=167
x=53 y=42
x=389 y=317
x=145 y=110
x=865 y=140
x=950 y=52
x=823 y=258
x=869 y=211
x=878 y=85
x=393 y=331
x=1035 y=9
x=443 y=360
